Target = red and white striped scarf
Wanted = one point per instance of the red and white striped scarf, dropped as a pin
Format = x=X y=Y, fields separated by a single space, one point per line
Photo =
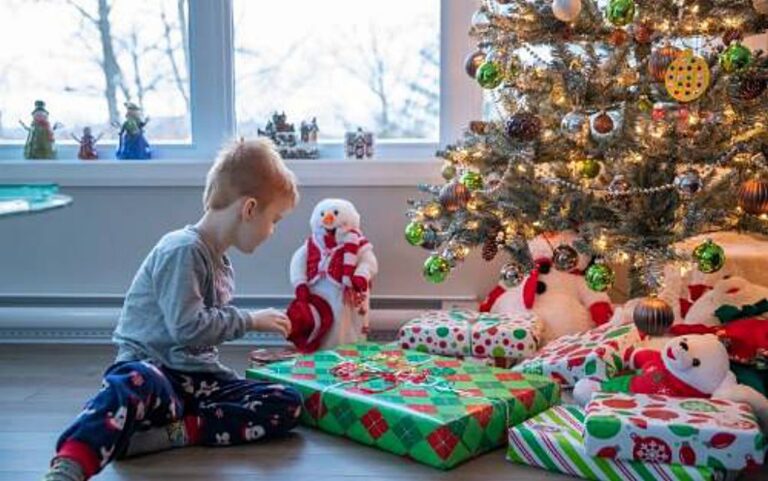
x=343 y=256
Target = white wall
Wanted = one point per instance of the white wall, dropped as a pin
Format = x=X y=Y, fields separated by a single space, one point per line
x=94 y=246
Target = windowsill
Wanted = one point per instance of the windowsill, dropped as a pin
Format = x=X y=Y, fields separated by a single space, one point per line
x=191 y=173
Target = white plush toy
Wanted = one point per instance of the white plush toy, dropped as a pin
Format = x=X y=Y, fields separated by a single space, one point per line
x=332 y=273
x=680 y=291
x=688 y=366
x=561 y=299
x=735 y=291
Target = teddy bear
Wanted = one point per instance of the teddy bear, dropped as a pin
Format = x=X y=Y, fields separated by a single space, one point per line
x=331 y=273
x=561 y=299
x=688 y=366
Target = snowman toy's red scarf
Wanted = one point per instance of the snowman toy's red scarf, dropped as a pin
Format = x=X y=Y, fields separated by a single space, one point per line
x=336 y=261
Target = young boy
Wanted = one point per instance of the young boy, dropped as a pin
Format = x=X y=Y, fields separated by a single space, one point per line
x=167 y=387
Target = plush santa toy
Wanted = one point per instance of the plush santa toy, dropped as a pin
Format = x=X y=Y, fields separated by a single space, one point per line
x=688 y=366
x=332 y=273
x=561 y=299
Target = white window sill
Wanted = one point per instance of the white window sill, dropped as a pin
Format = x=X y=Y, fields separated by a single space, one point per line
x=186 y=173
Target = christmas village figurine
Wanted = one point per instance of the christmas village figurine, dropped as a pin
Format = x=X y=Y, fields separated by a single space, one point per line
x=332 y=273
x=41 y=143
x=283 y=135
x=359 y=145
x=87 y=150
x=133 y=144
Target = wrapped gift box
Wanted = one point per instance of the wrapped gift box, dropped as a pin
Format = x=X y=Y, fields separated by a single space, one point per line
x=598 y=353
x=437 y=410
x=507 y=338
x=711 y=432
x=553 y=440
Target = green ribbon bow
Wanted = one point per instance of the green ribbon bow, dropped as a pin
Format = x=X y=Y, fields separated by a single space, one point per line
x=728 y=313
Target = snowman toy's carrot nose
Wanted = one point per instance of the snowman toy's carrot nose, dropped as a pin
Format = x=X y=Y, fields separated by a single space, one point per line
x=329 y=219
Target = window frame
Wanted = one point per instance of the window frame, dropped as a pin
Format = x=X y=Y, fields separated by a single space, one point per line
x=212 y=100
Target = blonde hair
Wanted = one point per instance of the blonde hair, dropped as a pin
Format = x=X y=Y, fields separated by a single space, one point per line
x=251 y=168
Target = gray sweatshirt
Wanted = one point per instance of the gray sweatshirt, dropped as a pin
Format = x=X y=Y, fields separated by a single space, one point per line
x=177 y=309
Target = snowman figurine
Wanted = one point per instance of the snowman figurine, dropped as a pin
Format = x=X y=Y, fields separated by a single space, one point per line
x=331 y=273
x=561 y=299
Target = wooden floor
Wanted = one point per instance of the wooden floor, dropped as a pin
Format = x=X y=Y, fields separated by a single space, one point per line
x=42 y=387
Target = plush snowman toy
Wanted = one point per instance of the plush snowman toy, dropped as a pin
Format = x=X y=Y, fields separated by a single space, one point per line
x=332 y=273
x=561 y=299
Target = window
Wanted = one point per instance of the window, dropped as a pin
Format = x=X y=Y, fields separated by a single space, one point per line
x=205 y=71
x=375 y=65
x=86 y=58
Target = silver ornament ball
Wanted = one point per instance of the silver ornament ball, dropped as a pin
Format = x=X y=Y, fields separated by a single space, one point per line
x=512 y=274
x=566 y=10
x=574 y=125
x=688 y=183
x=565 y=258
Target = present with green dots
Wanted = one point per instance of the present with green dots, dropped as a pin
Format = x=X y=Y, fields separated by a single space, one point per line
x=436 y=410
x=599 y=353
x=553 y=440
x=718 y=433
x=505 y=338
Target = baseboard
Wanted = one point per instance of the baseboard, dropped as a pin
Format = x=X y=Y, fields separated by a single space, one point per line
x=91 y=320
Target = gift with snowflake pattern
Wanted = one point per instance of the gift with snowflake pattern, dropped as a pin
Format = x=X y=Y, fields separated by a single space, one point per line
x=708 y=432
x=437 y=410
x=553 y=440
x=598 y=354
x=505 y=338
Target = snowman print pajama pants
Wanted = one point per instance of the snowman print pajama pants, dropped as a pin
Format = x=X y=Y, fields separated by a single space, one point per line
x=137 y=396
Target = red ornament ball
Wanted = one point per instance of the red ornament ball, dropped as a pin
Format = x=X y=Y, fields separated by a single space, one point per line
x=643 y=33
x=603 y=123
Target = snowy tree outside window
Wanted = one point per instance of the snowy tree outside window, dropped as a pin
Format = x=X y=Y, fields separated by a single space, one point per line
x=86 y=58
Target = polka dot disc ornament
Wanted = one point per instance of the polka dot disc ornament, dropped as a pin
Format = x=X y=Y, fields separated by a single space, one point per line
x=688 y=77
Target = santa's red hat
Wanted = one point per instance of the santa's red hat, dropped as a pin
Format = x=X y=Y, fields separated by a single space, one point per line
x=311 y=320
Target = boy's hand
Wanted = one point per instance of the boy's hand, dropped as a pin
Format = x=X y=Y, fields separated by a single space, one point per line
x=270 y=320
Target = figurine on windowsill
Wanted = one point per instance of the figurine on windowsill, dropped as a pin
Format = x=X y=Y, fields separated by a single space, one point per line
x=133 y=144
x=87 y=150
x=359 y=145
x=41 y=143
x=284 y=136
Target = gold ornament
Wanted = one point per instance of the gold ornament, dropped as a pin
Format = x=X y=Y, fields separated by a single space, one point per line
x=653 y=316
x=753 y=197
x=687 y=77
x=454 y=196
x=660 y=60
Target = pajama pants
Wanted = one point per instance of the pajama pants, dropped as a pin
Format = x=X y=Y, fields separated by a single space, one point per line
x=138 y=395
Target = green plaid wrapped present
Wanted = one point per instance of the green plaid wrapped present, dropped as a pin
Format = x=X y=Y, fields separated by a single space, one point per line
x=503 y=338
x=439 y=411
x=553 y=440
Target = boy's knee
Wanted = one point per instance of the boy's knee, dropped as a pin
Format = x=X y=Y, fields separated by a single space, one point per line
x=139 y=376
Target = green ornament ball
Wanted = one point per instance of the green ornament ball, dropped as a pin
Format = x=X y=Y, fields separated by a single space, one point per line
x=600 y=277
x=735 y=58
x=472 y=180
x=436 y=269
x=621 y=12
x=448 y=171
x=490 y=74
x=709 y=257
x=414 y=233
x=589 y=168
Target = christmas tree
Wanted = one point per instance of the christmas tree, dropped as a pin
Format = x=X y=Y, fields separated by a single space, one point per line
x=637 y=124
